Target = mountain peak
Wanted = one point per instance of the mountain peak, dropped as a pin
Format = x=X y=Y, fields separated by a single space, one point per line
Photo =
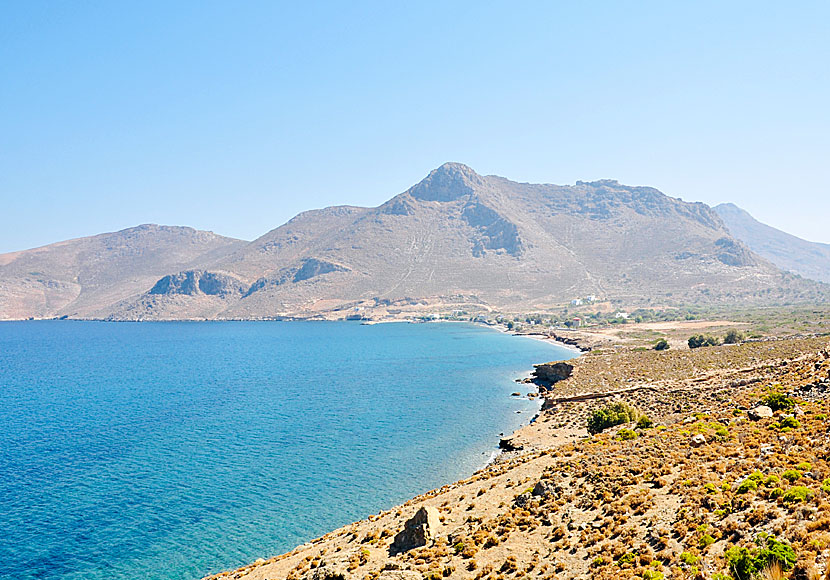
x=447 y=183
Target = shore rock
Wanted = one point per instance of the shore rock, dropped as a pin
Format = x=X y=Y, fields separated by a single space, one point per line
x=552 y=372
x=418 y=531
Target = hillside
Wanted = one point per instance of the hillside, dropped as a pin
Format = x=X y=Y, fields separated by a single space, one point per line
x=788 y=252
x=456 y=240
x=85 y=276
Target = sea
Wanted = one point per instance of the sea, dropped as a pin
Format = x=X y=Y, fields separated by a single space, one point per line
x=171 y=450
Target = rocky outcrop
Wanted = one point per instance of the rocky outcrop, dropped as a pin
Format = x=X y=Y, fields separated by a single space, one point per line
x=494 y=232
x=418 y=531
x=307 y=269
x=312 y=267
x=194 y=282
x=447 y=183
x=734 y=253
x=552 y=372
x=509 y=444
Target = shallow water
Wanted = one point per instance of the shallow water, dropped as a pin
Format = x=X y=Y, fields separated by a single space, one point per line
x=173 y=450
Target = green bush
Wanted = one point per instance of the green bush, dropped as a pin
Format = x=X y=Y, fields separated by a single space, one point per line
x=771 y=481
x=698 y=340
x=645 y=423
x=778 y=402
x=804 y=466
x=777 y=552
x=611 y=415
x=796 y=494
x=625 y=559
x=733 y=337
x=741 y=563
x=626 y=435
x=721 y=432
x=825 y=485
x=787 y=423
x=746 y=486
x=661 y=344
x=791 y=475
x=744 y=564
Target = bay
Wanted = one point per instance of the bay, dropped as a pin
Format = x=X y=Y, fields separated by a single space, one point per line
x=173 y=450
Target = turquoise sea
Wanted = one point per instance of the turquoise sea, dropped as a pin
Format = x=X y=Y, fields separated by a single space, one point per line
x=174 y=450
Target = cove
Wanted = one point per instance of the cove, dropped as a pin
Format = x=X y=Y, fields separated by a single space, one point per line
x=173 y=450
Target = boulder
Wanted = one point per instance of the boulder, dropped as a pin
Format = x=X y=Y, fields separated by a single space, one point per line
x=759 y=412
x=544 y=488
x=698 y=440
x=522 y=500
x=418 y=531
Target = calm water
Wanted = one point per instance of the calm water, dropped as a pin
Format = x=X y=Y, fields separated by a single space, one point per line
x=172 y=450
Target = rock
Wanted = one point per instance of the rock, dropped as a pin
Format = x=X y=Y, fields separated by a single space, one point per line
x=698 y=440
x=418 y=531
x=545 y=488
x=552 y=372
x=522 y=500
x=509 y=445
x=759 y=412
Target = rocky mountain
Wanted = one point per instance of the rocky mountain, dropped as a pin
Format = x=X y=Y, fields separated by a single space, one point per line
x=86 y=276
x=788 y=252
x=458 y=238
x=455 y=240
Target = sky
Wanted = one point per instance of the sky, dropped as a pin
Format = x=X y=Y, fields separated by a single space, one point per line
x=235 y=116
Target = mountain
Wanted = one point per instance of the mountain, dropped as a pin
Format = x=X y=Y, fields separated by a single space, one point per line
x=808 y=259
x=458 y=239
x=86 y=276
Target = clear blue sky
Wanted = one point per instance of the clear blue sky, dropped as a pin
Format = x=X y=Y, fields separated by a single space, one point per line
x=235 y=116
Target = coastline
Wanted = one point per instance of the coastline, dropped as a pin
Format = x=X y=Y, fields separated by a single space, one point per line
x=499 y=457
x=551 y=479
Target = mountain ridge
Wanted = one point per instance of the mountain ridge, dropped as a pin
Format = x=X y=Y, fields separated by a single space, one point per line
x=458 y=239
x=788 y=252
